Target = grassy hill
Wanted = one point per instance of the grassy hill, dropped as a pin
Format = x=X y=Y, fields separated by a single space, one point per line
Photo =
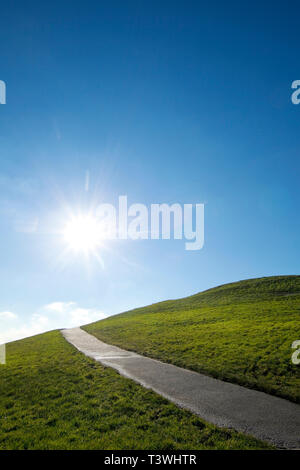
x=54 y=397
x=240 y=332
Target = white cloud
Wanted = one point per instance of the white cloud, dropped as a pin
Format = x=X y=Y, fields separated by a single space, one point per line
x=8 y=315
x=56 y=315
x=20 y=331
x=58 y=307
x=72 y=314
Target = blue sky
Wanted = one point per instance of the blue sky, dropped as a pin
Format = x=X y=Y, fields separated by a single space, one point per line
x=164 y=102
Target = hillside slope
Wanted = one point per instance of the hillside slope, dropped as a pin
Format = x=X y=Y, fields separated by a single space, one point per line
x=54 y=397
x=241 y=332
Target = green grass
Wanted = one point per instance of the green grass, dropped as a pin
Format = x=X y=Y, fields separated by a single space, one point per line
x=240 y=332
x=54 y=397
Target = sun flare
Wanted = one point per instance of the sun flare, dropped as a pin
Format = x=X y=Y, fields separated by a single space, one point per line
x=82 y=234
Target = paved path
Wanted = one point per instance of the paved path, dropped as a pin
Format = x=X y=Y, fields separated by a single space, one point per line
x=264 y=416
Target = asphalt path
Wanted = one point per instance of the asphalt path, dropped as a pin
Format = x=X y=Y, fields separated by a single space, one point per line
x=226 y=405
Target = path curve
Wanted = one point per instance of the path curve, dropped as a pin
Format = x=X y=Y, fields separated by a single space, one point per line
x=263 y=416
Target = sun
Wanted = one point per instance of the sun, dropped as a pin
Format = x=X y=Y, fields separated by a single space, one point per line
x=82 y=234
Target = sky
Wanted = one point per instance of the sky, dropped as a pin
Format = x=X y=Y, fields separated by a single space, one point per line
x=162 y=101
